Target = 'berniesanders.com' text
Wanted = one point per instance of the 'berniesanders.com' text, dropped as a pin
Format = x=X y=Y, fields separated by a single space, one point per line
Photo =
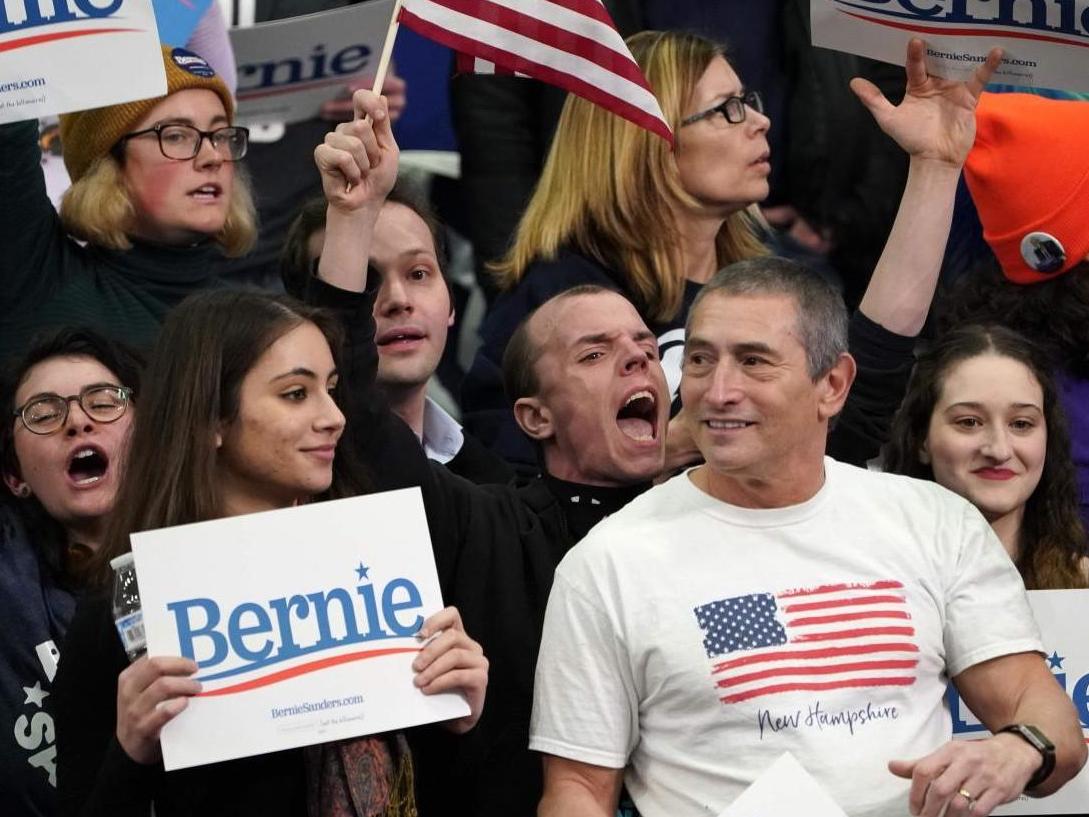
x=22 y=85
x=964 y=57
x=316 y=706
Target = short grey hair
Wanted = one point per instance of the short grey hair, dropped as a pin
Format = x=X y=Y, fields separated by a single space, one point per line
x=821 y=313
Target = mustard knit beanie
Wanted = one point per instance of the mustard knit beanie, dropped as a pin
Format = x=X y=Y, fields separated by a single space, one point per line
x=87 y=135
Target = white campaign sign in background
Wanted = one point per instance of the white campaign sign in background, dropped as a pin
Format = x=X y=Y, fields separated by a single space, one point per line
x=294 y=694
x=1061 y=615
x=55 y=57
x=1046 y=43
x=288 y=68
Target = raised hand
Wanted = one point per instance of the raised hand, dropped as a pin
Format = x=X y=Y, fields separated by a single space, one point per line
x=936 y=120
x=150 y=693
x=358 y=161
x=452 y=662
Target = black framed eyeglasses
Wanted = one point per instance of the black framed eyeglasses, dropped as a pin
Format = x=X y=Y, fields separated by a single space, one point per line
x=732 y=108
x=47 y=413
x=182 y=142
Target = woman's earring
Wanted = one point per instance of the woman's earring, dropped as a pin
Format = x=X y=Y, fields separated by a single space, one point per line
x=23 y=492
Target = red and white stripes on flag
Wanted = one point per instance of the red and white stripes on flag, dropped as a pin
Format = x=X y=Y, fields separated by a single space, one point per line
x=569 y=43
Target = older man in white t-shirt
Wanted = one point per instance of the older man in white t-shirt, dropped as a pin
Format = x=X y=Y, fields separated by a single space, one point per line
x=775 y=600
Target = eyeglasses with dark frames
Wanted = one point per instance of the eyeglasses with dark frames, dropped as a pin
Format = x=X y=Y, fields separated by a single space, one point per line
x=732 y=108
x=47 y=413
x=182 y=142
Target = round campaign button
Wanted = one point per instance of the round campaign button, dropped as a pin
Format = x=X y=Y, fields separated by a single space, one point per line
x=1043 y=252
x=193 y=63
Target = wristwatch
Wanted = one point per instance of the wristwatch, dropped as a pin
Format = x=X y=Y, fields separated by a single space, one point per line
x=1038 y=741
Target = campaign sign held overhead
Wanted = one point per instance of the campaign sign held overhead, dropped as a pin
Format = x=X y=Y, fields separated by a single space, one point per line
x=58 y=56
x=1046 y=42
x=288 y=68
x=1061 y=617
x=302 y=623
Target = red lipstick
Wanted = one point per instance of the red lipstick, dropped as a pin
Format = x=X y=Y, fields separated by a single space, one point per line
x=998 y=474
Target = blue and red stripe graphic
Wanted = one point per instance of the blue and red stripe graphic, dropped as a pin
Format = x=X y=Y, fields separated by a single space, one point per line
x=836 y=636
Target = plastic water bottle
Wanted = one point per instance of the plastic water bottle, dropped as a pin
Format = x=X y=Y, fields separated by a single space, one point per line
x=127 y=613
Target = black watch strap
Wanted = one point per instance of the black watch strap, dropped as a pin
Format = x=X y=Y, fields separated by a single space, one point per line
x=1038 y=741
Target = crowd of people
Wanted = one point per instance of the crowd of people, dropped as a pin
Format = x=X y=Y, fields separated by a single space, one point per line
x=692 y=513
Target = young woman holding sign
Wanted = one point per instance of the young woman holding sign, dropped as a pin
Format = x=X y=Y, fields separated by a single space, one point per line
x=155 y=201
x=253 y=382
x=249 y=413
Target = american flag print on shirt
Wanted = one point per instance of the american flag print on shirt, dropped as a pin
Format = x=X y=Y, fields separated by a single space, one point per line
x=835 y=636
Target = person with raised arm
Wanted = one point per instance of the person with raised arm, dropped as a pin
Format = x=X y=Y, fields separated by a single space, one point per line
x=154 y=205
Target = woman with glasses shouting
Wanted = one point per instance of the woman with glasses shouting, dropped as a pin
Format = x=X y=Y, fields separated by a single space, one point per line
x=68 y=410
x=154 y=203
x=618 y=207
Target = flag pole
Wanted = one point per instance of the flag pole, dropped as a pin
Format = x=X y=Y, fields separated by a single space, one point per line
x=387 y=48
x=383 y=61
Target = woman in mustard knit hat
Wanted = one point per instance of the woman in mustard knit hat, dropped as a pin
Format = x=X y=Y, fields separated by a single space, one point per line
x=155 y=201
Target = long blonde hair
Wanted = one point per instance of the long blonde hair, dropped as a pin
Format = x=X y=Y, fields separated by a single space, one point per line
x=609 y=187
x=98 y=210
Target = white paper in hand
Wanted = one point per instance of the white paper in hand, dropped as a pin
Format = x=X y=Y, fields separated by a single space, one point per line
x=785 y=789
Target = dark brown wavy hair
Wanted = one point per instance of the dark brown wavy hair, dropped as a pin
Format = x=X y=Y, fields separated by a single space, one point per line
x=1054 y=314
x=1052 y=541
x=192 y=385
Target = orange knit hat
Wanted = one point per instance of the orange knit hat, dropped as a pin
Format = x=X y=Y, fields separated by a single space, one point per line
x=87 y=135
x=1029 y=177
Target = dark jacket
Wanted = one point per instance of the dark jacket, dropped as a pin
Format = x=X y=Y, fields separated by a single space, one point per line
x=35 y=610
x=496 y=549
x=50 y=280
x=478 y=464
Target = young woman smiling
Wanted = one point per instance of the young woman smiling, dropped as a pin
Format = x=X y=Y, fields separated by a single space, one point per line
x=982 y=417
x=249 y=415
x=253 y=381
x=155 y=200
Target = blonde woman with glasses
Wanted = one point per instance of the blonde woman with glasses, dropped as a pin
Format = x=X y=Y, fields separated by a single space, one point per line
x=155 y=202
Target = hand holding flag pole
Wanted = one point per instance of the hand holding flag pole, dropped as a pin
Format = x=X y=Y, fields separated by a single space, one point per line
x=383 y=66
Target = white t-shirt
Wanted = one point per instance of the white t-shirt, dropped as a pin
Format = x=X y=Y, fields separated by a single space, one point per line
x=693 y=642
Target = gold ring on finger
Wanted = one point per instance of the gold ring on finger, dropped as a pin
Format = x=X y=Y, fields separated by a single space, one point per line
x=968 y=796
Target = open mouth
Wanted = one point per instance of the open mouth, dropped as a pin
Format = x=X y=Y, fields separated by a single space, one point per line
x=87 y=466
x=638 y=417
x=207 y=192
